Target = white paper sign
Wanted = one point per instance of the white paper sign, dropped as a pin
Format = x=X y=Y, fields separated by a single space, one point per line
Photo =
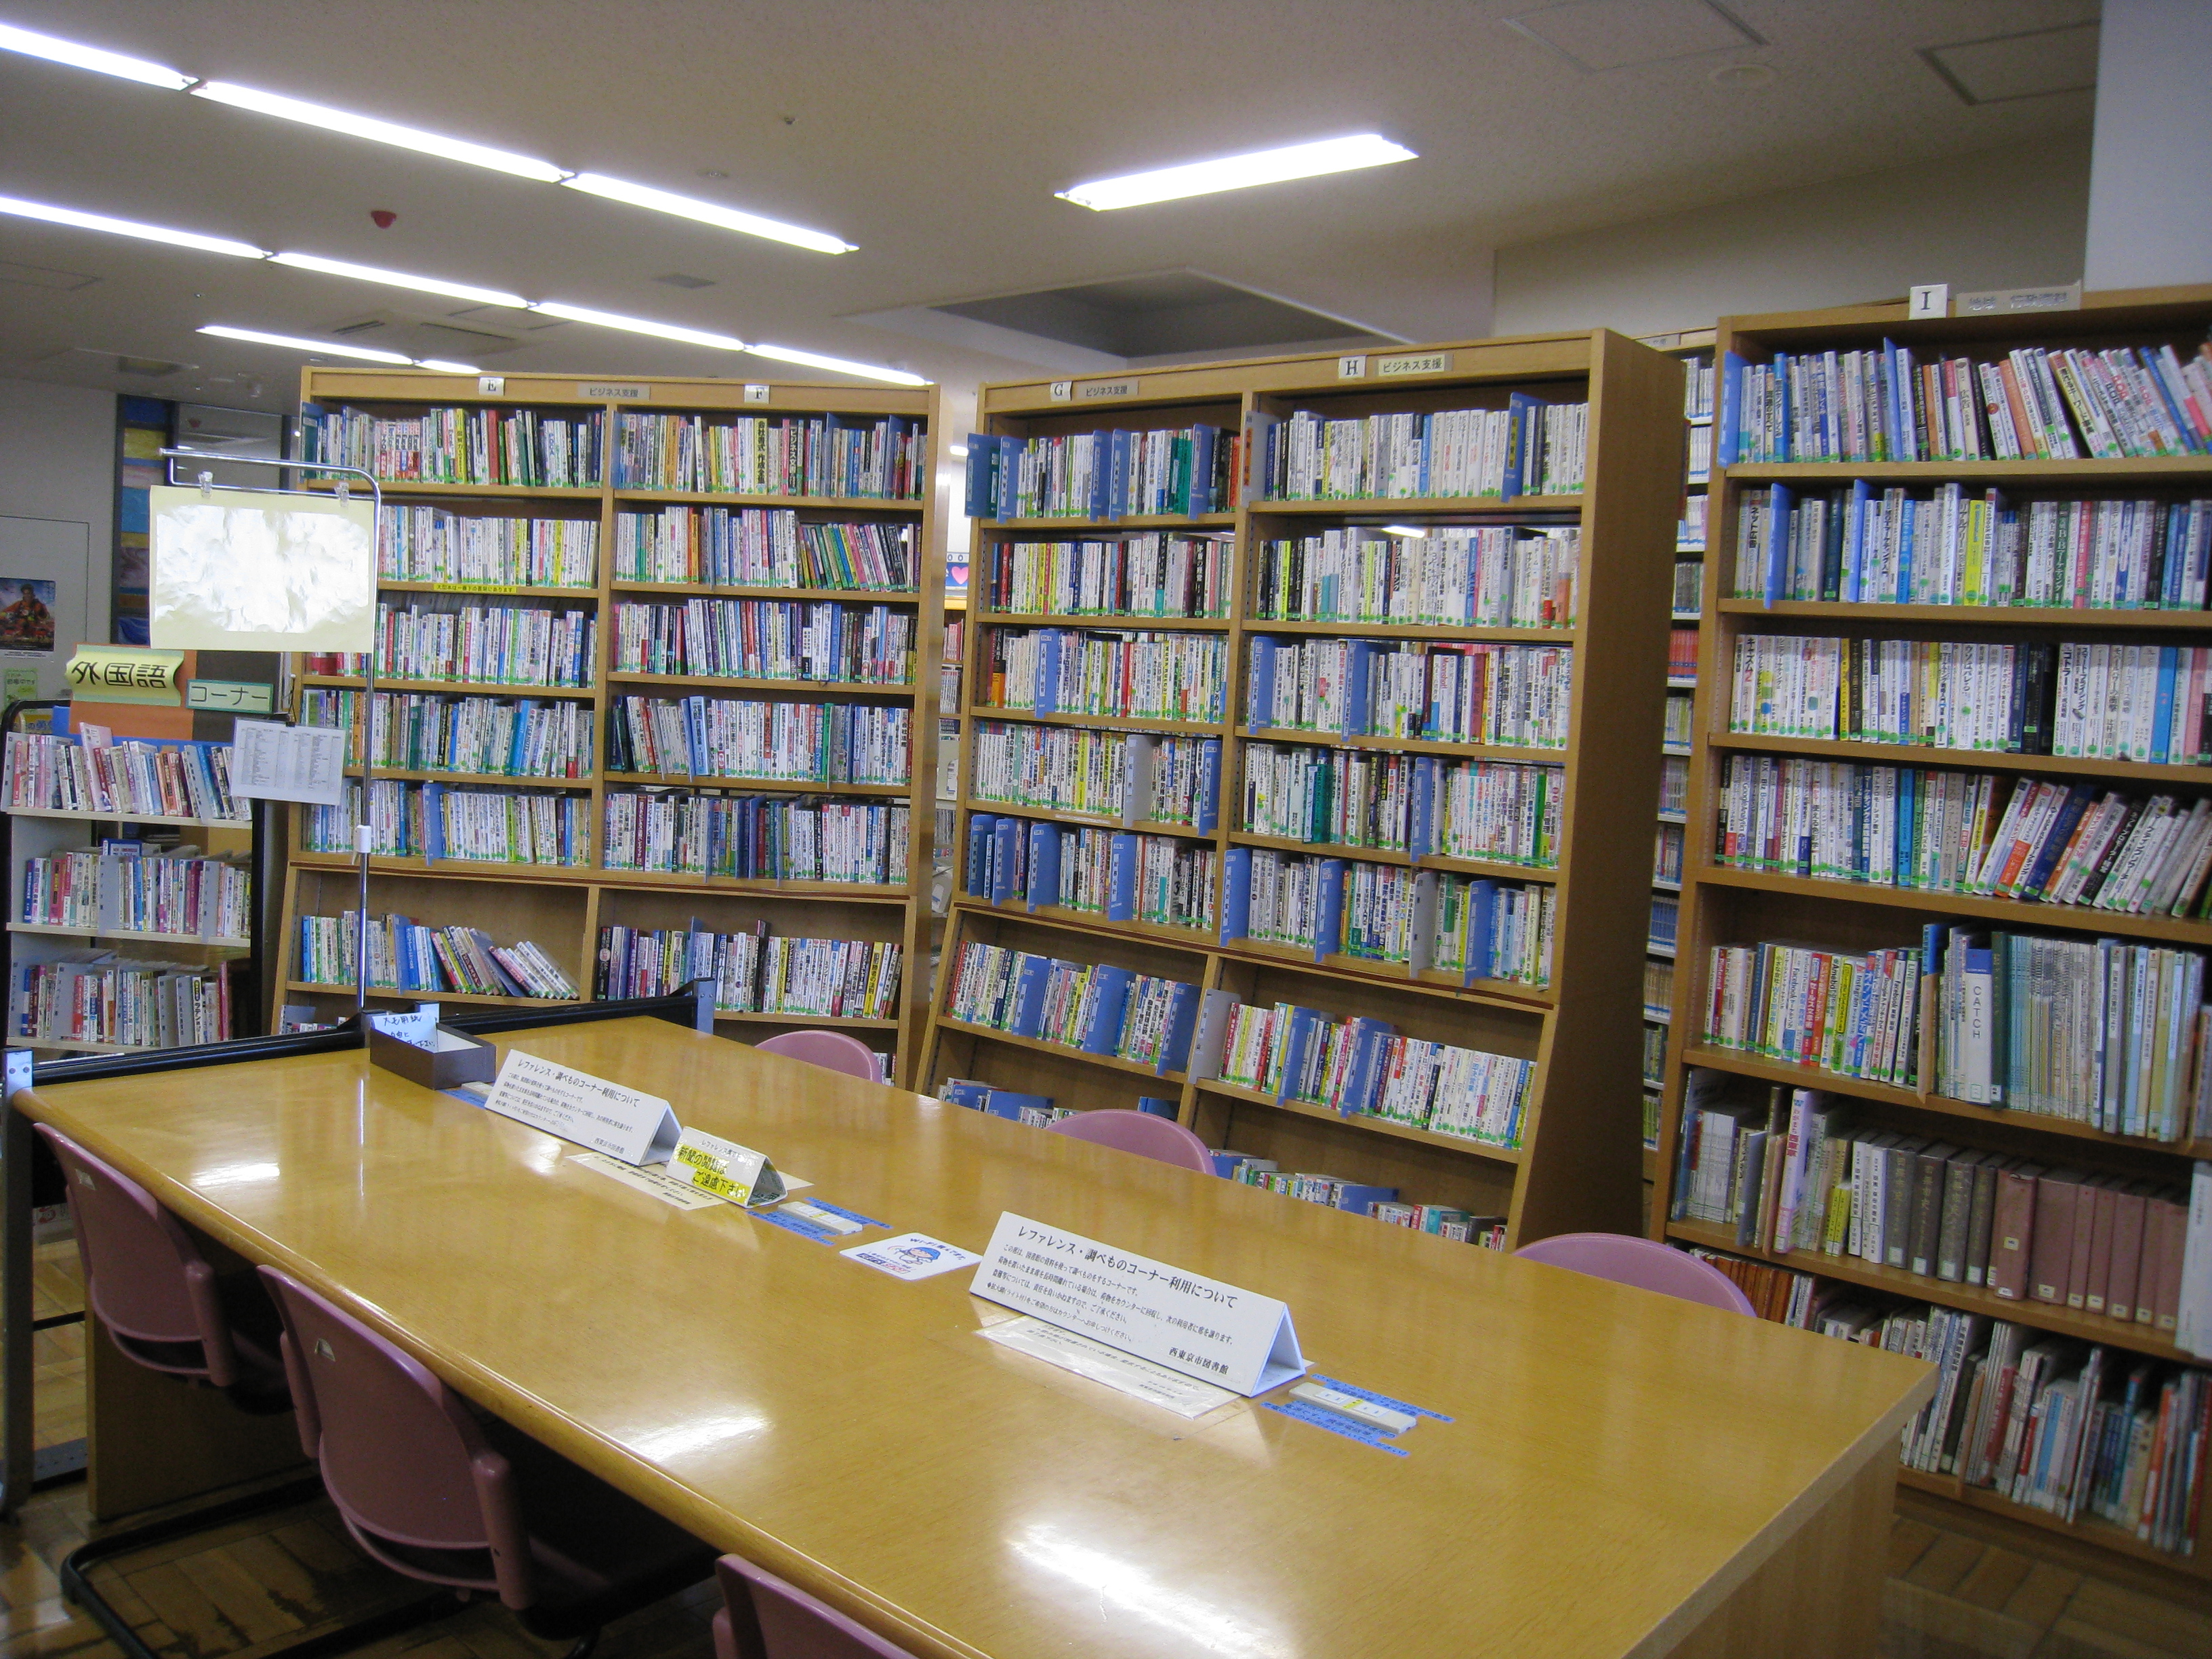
x=730 y=1171
x=1071 y=1350
x=419 y=1027
x=288 y=763
x=912 y=1256
x=261 y=570
x=1191 y=1324
x=587 y=1110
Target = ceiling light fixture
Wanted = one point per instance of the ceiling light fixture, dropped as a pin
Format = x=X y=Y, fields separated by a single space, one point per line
x=62 y=215
x=319 y=348
x=90 y=57
x=445 y=367
x=485 y=296
x=707 y=213
x=1262 y=166
x=383 y=132
x=837 y=365
x=639 y=325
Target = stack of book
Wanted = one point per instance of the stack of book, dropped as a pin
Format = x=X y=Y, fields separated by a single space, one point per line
x=1504 y=576
x=1035 y=1111
x=1139 y=676
x=1137 y=575
x=1527 y=448
x=793 y=455
x=764 y=547
x=767 y=639
x=429 y=732
x=1164 y=880
x=436 y=820
x=1094 y=1007
x=431 y=544
x=96 y=998
x=409 y=955
x=1857 y=1014
x=91 y=772
x=1135 y=776
x=459 y=446
x=794 y=742
x=128 y=888
x=754 y=972
x=1181 y=471
x=1499 y=811
x=757 y=837
x=436 y=639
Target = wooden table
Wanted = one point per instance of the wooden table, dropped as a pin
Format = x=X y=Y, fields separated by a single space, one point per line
x=1625 y=1474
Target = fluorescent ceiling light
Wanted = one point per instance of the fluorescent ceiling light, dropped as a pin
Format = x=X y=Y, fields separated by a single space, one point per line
x=639 y=325
x=445 y=367
x=486 y=296
x=61 y=216
x=320 y=348
x=90 y=57
x=1263 y=166
x=708 y=213
x=837 y=365
x=384 y=132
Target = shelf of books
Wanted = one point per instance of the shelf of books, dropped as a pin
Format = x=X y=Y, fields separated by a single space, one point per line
x=1939 y=1064
x=1288 y=806
x=656 y=677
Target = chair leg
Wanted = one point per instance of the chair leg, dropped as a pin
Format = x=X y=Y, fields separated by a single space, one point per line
x=76 y=1583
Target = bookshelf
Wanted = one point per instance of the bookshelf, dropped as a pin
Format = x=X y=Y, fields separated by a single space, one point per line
x=712 y=610
x=1145 y=747
x=1930 y=1093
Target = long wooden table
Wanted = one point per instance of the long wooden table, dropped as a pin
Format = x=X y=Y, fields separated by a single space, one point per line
x=1624 y=1474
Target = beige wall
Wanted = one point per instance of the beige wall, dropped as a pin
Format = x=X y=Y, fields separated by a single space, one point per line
x=1996 y=219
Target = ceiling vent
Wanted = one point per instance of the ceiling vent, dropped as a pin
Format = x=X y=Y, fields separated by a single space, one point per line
x=678 y=279
x=1596 y=35
x=415 y=335
x=2002 y=68
x=125 y=362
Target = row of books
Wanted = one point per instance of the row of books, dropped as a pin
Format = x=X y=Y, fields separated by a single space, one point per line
x=91 y=772
x=1423 y=919
x=128 y=888
x=734 y=737
x=2001 y=834
x=1679 y=725
x=1180 y=472
x=437 y=821
x=1858 y=1015
x=1658 y=988
x=435 y=732
x=1962 y=546
x=2042 y=1421
x=1139 y=676
x=1689 y=588
x=1659 y=931
x=98 y=997
x=488 y=644
x=1498 y=577
x=459 y=446
x=1792 y=1173
x=1134 y=575
x=767 y=639
x=404 y=955
x=1683 y=654
x=1527 y=448
x=1500 y=812
x=1690 y=528
x=757 y=837
x=1363 y=1067
x=1697 y=374
x=2072 y=699
x=1135 y=776
x=1884 y=405
x=1655 y=1074
x=1119 y=875
x=1666 y=853
x=765 y=547
x=1096 y=1008
x=949 y=666
x=754 y=972
x=1515 y=694
x=433 y=544
x=1674 y=783
x=883 y=459
x=1383 y=1204
x=1036 y=1111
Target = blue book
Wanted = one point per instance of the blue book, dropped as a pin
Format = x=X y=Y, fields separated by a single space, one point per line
x=1109 y=1002
x=1044 y=865
x=1908 y=793
x=1351 y=1195
x=1359 y=684
x=1122 y=877
x=1209 y=785
x=1236 y=894
x=526 y=715
x=1006 y=476
x=1778 y=542
x=1259 y=680
x=1157 y=1106
x=1304 y=1022
x=1006 y=859
x=1781 y=406
x=1007 y=1104
x=1328 y=913
x=1481 y=931
x=1854 y=547
x=1421 y=835
x=1363 y=1079
x=1117 y=475
x=1728 y=421
x=695 y=736
x=1203 y=441
x=1518 y=463
x=2030 y=885
x=1047 y=690
x=982 y=493
x=982 y=845
x=433 y=820
x=1428 y=449
x=2161 y=724
x=1026 y=1009
x=1181 y=1022
x=1101 y=503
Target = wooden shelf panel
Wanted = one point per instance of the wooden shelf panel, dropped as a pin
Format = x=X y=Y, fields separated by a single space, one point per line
x=1330 y=849
x=505 y=780
x=591 y=876
x=1416 y=506
x=68 y=816
x=48 y=930
x=460 y=687
x=1103 y=722
x=1113 y=1062
x=1053 y=529
x=1087 y=820
x=2179 y=930
x=626 y=496
x=1416 y=631
x=650 y=590
x=1361 y=1121
x=1115 y=624
x=1404 y=745
x=2087 y=1527
x=2008 y=615
x=832 y=1022
x=750 y=785
x=902 y=691
x=2057 y=475
x=424 y=487
x=1908 y=754
x=392 y=993
x=495 y=590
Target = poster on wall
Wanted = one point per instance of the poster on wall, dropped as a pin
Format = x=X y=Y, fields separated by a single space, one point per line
x=26 y=614
x=241 y=570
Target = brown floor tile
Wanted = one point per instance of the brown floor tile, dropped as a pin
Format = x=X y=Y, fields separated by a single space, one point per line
x=2112 y=1607
x=2043 y=1595
x=1920 y=1621
x=1945 y=1562
x=1994 y=1578
x=241 y=1600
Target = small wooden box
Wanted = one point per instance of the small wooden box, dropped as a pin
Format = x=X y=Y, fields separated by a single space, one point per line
x=457 y=1058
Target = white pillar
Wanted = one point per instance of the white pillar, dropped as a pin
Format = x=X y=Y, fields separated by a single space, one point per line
x=2151 y=173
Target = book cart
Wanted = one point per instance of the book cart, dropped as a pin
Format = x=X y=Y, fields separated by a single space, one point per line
x=1051 y=764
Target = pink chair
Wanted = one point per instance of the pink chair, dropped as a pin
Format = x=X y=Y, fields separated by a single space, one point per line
x=837 y=1050
x=1642 y=1262
x=1145 y=1134
x=432 y=1490
x=764 y=1617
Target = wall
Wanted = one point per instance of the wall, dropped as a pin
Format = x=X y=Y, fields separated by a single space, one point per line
x=2150 y=193
x=2000 y=219
x=58 y=463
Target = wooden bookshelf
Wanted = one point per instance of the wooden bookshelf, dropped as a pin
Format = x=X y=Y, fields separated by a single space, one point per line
x=1727 y=905
x=1574 y=1163
x=564 y=908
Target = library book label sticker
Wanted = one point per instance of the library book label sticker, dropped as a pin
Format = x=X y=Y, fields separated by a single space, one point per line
x=1085 y=1356
x=1196 y=1326
x=912 y=1256
x=583 y=1109
x=736 y=1173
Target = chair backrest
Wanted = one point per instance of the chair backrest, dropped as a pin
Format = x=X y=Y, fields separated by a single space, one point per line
x=1145 y=1134
x=792 y=1624
x=402 y=1457
x=143 y=1275
x=1642 y=1262
x=838 y=1050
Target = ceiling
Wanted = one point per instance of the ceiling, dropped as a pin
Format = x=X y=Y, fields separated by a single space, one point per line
x=933 y=133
